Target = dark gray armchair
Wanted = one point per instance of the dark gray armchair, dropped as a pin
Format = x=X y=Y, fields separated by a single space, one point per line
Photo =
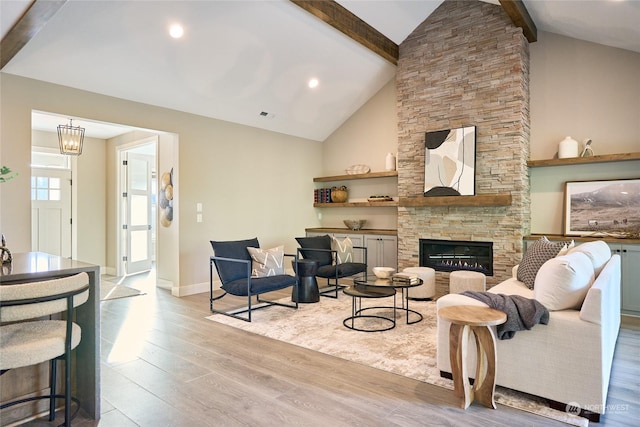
x=234 y=265
x=318 y=248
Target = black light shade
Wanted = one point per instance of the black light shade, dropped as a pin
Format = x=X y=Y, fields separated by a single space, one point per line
x=70 y=139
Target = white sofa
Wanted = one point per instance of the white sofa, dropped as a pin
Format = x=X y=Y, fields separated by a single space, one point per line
x=569 y=360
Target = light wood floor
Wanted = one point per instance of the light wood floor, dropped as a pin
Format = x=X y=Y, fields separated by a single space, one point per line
x=164 y=364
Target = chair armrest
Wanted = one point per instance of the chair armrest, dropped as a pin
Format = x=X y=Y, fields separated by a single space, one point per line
x=241 y=261
x=363 y=249
x=219 y=258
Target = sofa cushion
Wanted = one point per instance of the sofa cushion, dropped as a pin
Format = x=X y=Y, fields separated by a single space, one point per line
x=316 y=242
x=343 y=248
x=537 y=254
x=563 y=282
x=597 y=251
x=512 y=286
x=267 y=262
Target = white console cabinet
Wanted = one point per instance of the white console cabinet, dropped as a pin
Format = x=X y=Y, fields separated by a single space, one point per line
x=382 y=251
x=630 y=260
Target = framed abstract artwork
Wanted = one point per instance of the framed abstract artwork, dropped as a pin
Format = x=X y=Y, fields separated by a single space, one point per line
x=450 y=162
x=599 y=208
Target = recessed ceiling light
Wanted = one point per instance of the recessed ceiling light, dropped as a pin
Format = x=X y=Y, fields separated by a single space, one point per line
x=176 y=31
x=313 y=83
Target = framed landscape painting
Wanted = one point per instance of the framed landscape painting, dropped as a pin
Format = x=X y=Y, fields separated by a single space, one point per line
x=602 y=208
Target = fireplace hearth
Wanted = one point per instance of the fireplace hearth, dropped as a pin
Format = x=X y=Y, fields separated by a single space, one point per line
x=452 y=255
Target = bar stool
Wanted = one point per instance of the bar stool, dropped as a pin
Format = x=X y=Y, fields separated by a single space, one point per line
x=32 y=342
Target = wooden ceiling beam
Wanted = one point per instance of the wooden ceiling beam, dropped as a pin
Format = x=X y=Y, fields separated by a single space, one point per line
x=519 y=14
x=346 y=22
x=32 y=21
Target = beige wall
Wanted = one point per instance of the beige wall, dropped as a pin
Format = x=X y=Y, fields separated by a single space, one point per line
x=365 y=138
x=251 y=182
x=584 y=90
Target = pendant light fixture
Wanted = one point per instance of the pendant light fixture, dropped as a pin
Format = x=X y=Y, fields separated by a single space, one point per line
x=70 y=139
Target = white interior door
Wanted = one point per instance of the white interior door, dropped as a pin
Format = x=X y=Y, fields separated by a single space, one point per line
x=51 y=211
x=138 y=212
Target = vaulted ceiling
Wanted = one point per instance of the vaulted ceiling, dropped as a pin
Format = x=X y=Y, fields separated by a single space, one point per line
x=250 y=62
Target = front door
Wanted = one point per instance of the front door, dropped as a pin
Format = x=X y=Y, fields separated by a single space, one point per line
x=51 y=211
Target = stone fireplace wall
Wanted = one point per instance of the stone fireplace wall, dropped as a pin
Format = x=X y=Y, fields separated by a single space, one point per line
x=467 y=64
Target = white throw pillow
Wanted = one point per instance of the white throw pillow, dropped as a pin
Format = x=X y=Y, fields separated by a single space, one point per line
x=344 y=249
x=267 y=262
x=563 y=282
x=597 y=251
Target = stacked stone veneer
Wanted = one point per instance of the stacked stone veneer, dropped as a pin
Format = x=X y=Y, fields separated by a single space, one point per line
x=467 y=64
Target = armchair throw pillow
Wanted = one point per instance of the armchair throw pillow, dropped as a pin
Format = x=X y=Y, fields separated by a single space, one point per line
x=267 y=262
x=344 y=249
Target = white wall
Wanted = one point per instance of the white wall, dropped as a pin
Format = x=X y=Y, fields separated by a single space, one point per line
x=584 y=90
x=251 y=182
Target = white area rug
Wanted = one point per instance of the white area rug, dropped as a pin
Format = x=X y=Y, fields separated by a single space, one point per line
x=408 y=350
x=110 y=291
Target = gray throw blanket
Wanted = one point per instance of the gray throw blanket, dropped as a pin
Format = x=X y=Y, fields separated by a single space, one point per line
x=522 y=313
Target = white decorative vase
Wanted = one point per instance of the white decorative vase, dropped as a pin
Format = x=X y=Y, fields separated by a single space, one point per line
x=567 y=148
x=390 y=162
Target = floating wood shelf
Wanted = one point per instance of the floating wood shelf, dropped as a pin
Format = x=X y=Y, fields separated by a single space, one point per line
x=385 y=174
x=392 y=203
x=605 y=158
x=379 y=231
x=478 y=200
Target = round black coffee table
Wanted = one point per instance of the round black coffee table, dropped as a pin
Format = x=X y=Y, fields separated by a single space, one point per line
x=308 y=285
x=357 y=292
x=372 y=282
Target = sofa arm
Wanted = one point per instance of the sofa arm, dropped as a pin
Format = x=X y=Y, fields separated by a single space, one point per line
x=602 y=303
x=514 y=271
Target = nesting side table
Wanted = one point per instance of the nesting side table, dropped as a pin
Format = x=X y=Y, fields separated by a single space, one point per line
x=465 y=320
x=307 y=289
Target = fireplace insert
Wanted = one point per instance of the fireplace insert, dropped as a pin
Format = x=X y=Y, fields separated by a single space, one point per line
x=452 y=255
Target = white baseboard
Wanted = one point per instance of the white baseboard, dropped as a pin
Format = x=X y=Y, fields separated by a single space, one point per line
x=196 y=288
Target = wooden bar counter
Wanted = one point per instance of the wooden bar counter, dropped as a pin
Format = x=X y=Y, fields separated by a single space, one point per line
x=38 y=266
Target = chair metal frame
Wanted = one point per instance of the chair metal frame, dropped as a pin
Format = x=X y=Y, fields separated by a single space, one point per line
x=262 y=303
x=336 y=286
x=66 y=357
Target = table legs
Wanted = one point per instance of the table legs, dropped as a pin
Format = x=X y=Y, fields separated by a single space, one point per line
x=485 y=379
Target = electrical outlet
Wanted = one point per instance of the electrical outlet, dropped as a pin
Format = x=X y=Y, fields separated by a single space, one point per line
x=199 y=217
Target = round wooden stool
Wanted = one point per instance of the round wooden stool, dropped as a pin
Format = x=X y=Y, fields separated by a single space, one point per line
x=467 y=319
x=464 y=280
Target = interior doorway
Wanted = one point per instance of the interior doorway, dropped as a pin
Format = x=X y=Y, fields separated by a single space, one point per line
x=137 y=201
